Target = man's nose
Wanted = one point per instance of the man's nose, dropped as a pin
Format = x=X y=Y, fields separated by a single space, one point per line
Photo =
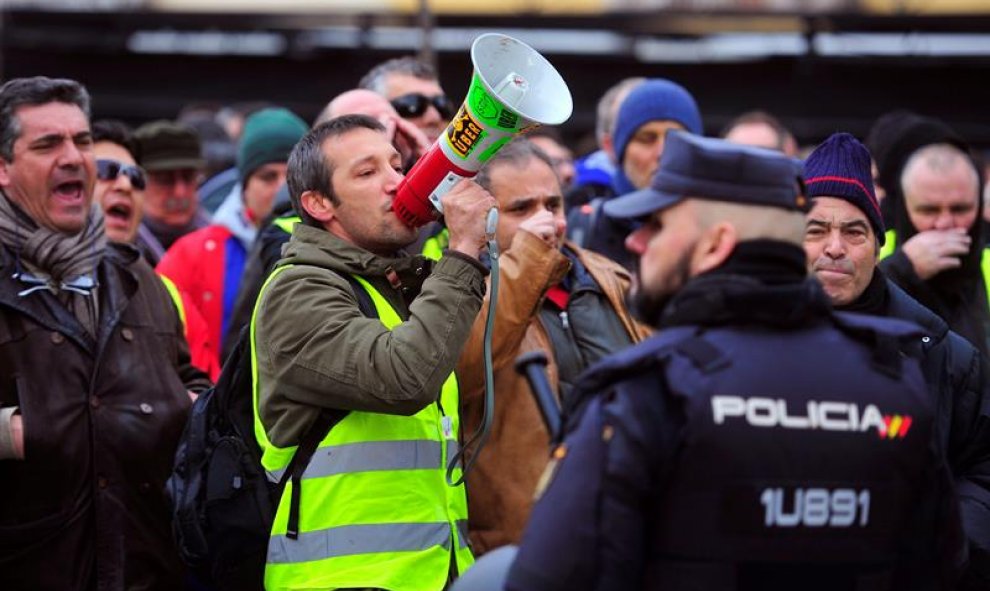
x=392 y=180
x=71 y=155
x=835 y=248
x=183 y=186
x=944 y=221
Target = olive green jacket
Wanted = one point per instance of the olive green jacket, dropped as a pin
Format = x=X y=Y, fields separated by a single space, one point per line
x=315 y=349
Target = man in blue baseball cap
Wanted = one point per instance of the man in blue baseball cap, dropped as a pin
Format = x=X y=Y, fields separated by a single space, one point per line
x=759 y=440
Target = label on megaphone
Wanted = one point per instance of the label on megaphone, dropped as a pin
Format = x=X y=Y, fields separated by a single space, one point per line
x=513 y=90
x=482 y=126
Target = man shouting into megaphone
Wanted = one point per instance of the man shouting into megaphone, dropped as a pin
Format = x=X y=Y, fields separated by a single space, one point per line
x=348 y=323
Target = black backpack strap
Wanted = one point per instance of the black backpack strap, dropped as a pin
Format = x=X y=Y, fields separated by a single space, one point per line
x=326 y=420
x=307 y=447
x=365 y=304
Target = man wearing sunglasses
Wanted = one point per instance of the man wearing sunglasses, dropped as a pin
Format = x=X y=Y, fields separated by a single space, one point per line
x=119 y=190
x=414 y=90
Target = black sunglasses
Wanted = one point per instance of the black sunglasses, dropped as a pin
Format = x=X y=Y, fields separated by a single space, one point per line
x=415 y=104
x=108 y=170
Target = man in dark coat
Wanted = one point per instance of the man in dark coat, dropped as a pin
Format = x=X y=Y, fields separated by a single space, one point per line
x=95 y=379
x=727 y=452
x=935 y=249
x=844 y=233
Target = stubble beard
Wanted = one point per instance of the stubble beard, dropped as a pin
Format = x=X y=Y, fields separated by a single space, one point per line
x=648 y=305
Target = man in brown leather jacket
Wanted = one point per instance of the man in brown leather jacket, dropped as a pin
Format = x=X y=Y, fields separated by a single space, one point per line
x=554 y=296
x=94 y=368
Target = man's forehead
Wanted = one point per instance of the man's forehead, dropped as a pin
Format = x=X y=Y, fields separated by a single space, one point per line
x=836 y=209
x=961 y=181
x=52 y=115
x=400 y=83
x=356 y=145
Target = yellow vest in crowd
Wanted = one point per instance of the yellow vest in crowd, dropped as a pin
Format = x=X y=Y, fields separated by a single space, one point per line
x=890 y=245
x=375 y=508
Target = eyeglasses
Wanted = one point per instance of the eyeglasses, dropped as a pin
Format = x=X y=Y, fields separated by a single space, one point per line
x=415 y=104
x=108 y=170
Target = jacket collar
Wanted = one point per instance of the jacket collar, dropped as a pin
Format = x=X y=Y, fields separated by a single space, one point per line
x=117 y=285
x=315 y=246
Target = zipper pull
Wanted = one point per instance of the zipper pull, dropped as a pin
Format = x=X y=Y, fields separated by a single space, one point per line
x=565 y=320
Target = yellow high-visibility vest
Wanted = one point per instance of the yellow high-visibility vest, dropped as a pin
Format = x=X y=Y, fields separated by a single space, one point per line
x=375 y=508
x=890 y=245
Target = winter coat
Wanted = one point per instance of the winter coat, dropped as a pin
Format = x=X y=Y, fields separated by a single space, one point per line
x=85 y=508
x=504 y=478
x=956 y=372
x=207 y=265
x=316 y=349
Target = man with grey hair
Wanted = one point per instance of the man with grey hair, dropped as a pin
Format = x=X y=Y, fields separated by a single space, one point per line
x=939 y=254
x=86 y=443
x=413 y=88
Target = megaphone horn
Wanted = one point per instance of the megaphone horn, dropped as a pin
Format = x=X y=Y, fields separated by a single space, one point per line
x=513 y=90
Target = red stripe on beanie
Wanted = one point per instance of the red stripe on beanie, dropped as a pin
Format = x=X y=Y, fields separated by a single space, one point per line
x=847 y=180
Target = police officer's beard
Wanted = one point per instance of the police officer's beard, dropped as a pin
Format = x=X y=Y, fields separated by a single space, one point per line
x=647 y=305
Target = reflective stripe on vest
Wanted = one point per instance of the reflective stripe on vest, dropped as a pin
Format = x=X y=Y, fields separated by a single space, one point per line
x=173 y=292
x=891 y=244
x=434 y=245
x=287 y=223
x=375 y=509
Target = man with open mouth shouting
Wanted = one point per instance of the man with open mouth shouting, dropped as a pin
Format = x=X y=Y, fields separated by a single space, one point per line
x=94 y=370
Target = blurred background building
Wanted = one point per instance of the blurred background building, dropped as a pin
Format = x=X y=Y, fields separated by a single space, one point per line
x=820 y=65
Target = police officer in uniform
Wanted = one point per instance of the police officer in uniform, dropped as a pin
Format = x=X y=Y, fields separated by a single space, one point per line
x=759 y=440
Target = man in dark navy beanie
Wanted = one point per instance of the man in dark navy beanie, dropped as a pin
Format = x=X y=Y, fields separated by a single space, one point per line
x=843 y=235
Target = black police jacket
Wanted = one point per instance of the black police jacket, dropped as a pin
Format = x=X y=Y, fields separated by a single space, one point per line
x=760 y=441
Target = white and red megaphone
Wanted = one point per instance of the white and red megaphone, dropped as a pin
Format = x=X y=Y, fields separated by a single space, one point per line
x=513 y=89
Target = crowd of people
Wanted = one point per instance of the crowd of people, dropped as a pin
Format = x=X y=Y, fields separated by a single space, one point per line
x=771 y=364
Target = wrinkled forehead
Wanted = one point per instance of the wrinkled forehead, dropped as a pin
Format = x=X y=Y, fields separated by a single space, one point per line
x=835 y=210
x=357 y=145
x=956 y=185
x=51 y=118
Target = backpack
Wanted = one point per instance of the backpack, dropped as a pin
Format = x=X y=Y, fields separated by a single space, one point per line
x=222 y=503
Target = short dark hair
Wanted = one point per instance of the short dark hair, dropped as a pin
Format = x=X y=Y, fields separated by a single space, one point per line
x=517 y=153
x=375 y=78
x=116 y=132
x=38 y=90
x=309 y=169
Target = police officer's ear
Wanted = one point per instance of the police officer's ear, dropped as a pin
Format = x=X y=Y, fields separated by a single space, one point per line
x=319 y=206
x=714 y=247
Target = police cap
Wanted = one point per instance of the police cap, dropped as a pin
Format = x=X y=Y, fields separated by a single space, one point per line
x=705 y=168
